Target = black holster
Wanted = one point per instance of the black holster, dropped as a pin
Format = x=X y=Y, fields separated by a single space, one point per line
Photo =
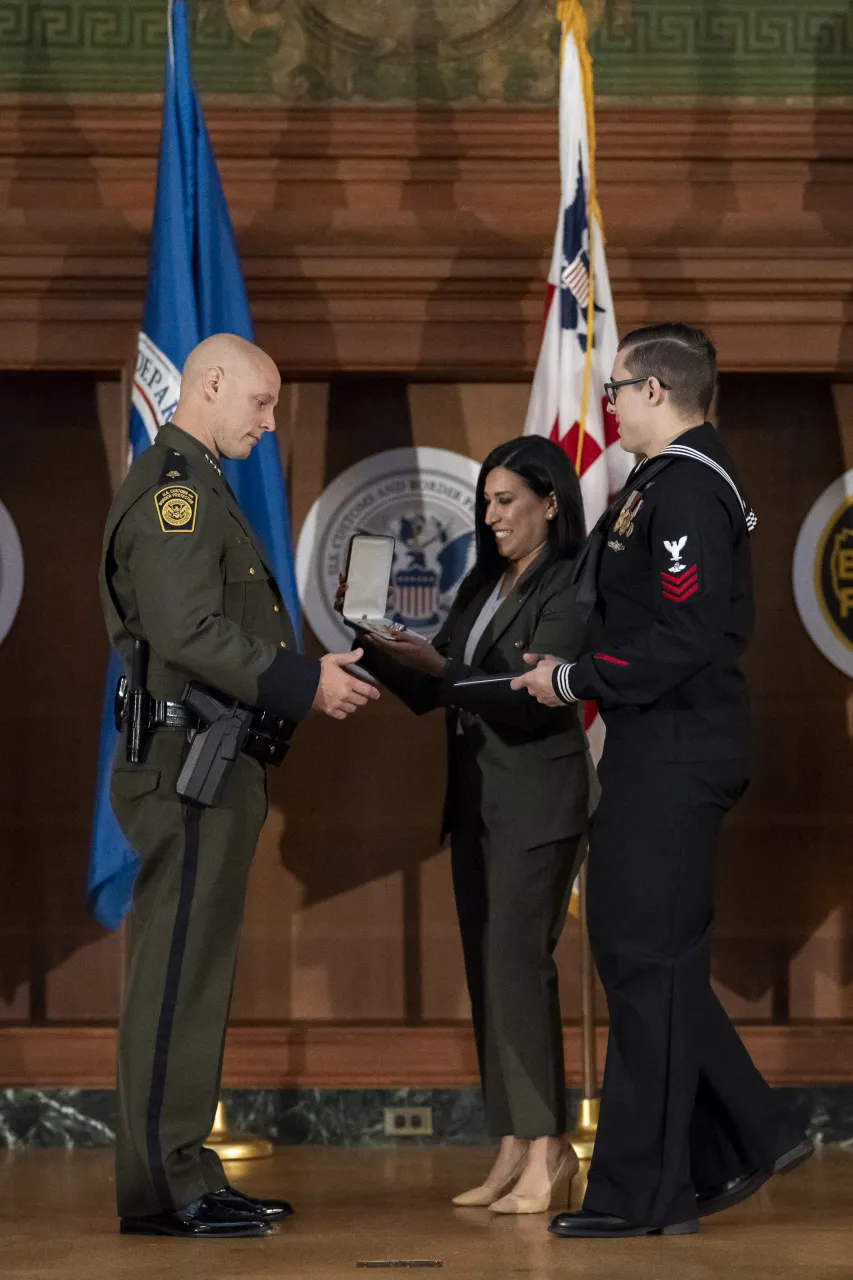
x=215 y=748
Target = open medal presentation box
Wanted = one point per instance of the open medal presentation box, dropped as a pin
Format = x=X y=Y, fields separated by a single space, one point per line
x=371 y=557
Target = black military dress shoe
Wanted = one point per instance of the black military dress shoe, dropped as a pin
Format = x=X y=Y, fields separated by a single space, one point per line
x=586 y=1224
x=265 y=1210
x=736 y=1190
x=204 y=1219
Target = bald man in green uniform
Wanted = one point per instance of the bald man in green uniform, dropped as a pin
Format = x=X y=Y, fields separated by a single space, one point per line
x=183 y=573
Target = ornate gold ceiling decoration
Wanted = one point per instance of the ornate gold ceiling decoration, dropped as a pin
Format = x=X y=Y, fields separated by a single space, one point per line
x=326 y=47
x=384 y=27
x=340 y=34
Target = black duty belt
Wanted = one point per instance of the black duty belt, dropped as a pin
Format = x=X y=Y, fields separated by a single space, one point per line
x=172 y=715
x=267 y=741
x=163 y=714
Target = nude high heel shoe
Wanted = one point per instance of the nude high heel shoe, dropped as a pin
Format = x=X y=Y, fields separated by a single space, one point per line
x=569 y=1166
x=484 y=1196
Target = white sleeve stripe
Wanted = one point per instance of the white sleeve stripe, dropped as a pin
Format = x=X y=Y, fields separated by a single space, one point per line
x=561 y=680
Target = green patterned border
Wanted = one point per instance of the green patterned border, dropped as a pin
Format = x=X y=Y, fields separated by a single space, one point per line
x=728 y=49
x=670 y=49
x=116 y=46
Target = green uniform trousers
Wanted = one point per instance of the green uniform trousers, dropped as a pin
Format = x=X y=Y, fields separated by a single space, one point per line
x=512 y=904
x=185 y=924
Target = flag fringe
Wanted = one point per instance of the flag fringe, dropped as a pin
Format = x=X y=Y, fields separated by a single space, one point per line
x=570 y=13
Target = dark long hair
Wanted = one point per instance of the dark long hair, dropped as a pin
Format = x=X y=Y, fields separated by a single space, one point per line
x=544 y=468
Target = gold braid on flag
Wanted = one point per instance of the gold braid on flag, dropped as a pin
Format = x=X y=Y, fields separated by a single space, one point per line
x=570 y=13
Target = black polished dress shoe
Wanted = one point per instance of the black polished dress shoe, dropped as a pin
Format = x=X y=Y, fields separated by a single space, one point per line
x=733 y=1192
x=586 y=1224
x=204 y=1219
x=265 y=1210
x=792 y=1159
x=736 y=1190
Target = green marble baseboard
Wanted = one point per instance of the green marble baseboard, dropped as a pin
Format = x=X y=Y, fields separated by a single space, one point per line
x=332 y=1117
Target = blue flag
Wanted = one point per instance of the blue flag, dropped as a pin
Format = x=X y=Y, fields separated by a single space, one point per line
x=195 y=289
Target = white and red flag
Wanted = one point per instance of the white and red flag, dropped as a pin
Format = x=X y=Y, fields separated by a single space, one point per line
x=567 y=401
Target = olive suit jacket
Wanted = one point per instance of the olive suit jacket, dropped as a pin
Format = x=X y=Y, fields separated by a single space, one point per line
x=533 y=760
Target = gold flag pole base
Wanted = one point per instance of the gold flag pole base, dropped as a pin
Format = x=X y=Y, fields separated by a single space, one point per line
x=236 y=1146
x=583 y=1138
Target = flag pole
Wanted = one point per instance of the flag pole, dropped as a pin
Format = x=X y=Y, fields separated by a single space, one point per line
x=571 y=15
x=227 y=1144
x=574 y=24
x=583 y=1136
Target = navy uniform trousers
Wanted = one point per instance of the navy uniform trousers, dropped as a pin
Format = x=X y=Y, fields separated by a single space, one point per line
x=683 y=1106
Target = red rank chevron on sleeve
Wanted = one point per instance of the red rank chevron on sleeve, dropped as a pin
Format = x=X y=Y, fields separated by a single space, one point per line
x=680 y=587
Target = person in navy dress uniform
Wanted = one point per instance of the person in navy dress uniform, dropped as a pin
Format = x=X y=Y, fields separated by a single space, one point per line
x=688 y=1126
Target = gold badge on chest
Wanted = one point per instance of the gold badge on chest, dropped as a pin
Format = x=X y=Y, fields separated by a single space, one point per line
x=625 y=524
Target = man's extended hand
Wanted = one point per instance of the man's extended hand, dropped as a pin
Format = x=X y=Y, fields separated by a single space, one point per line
x=539 y=681
x=339 y=693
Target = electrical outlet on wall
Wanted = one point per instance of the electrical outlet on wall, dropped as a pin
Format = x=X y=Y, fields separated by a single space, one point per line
x=408 y=1122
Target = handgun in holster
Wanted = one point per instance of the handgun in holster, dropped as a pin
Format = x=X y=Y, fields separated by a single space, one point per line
x=215 y=748
x=139 y=705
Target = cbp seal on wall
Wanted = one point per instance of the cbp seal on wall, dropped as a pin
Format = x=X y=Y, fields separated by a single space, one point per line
x=11 y=572
x=424 y=498
x=823 y=573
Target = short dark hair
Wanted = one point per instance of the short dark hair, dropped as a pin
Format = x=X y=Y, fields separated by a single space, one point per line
x=544 y=468
x=681 y=356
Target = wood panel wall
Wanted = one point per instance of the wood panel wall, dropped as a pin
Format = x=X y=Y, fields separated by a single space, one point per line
x=394 y=261
x=417 y=240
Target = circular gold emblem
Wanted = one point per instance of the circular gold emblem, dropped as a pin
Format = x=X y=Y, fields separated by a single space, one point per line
x=177 y=512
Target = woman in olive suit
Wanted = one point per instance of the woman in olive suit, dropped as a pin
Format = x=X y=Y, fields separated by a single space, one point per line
x=517 y=800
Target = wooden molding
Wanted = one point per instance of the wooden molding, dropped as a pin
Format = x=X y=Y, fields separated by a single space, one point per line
x=418 y=241
x=35 y=127
x=362 y=1057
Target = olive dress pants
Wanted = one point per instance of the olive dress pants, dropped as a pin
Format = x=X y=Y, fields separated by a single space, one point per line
x=184 y=930
x=511 y=903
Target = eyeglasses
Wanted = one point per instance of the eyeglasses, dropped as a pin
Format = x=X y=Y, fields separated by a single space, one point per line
x=612 y=387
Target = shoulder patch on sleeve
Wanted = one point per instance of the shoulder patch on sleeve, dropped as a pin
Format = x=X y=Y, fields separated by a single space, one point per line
x=176 y=507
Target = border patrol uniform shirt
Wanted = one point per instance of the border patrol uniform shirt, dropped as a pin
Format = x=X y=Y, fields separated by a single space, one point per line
x=674 y=597
x=182 y=569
